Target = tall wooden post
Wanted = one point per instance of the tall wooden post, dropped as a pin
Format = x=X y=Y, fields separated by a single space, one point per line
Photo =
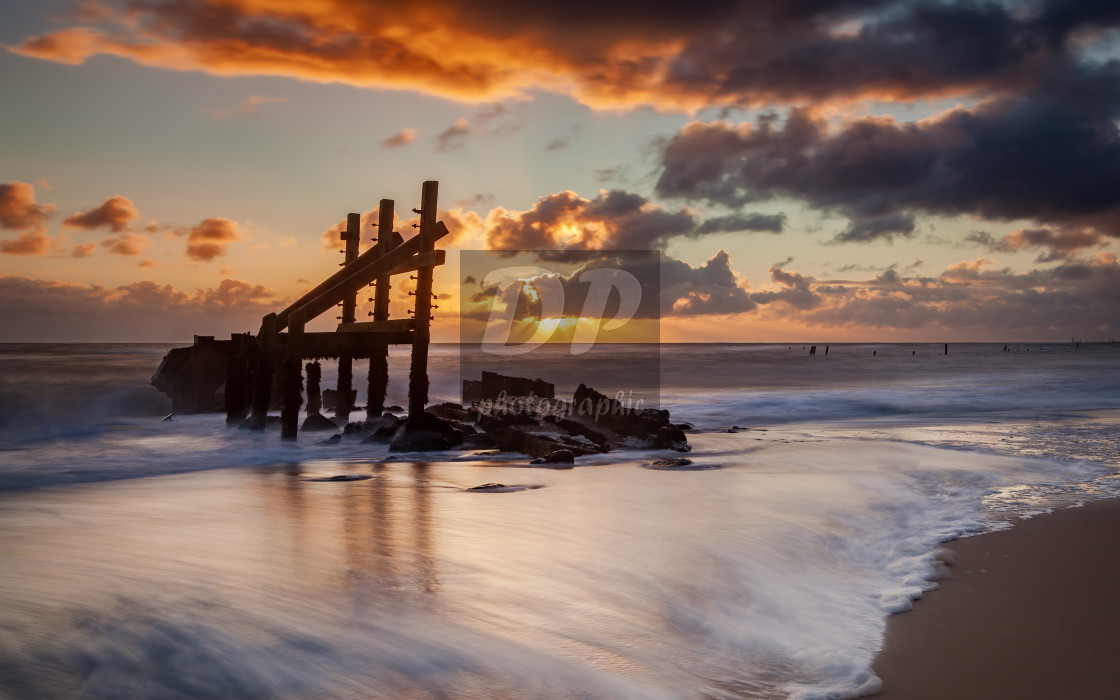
x=293 y=378
x=422 y=334
x=345 y=397
x=262 y=391
x=379 y=357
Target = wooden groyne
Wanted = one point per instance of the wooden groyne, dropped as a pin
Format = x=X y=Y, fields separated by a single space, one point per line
x=265 y=371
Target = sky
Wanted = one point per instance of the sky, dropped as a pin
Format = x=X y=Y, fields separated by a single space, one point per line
x=812 y=171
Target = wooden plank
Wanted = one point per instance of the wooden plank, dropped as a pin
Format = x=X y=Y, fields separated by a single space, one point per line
x=430 y=258
x=367 y=267
x=388 y=326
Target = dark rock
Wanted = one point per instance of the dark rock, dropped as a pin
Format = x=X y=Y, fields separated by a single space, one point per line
x=557 y=457
x=332 y=440
x=395 y=409
x=487 y=486
x=318 y=422
x=671 y=463
x=425 y=433
x=669 y=437
x=493 y=386
x=684 y=426
x=733 y=429
x=479 y=440
x=451 y=411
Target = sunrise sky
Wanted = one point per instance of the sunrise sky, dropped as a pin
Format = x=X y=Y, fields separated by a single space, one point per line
x=814 y=171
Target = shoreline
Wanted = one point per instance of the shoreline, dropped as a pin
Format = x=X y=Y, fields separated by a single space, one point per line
x=1028 y=613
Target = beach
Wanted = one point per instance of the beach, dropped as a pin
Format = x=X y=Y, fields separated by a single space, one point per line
x=1028 y=613
x=186 y=559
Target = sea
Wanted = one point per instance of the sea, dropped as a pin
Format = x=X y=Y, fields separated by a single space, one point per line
x=151 y=558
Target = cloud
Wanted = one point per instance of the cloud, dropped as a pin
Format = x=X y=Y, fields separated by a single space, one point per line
x=454 y=136
x=18 y=209
x=614 y=220
x=249 y=107
x=1051 y=156
x=32 y=309
x=210 y=238
x=401 y=138
x=770 y=223
x=1053 y=244
x=116 y=212
x=127 y=244
x=83 y=250
x=34 y=242
x=618 y=54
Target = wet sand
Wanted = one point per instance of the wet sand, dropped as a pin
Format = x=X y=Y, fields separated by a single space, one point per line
x=1033 y=612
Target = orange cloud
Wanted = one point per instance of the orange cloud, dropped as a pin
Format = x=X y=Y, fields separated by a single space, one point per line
x=401 y=138
x=619 y=54
x=115 y=212
x=128 y=244
x=18 y=209
x=35 y=242
x=211 y=238
x=83 y=250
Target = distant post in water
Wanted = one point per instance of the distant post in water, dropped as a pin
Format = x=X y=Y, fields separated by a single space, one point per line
x=946 y=348
x=345 y=397
x=418 y=373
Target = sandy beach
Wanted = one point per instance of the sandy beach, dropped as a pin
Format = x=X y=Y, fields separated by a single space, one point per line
x=1030 y=612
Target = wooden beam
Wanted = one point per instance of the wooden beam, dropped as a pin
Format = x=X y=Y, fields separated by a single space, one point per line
x=418 y=372
x=394 y=325
x=368 y=266
x=428 y=259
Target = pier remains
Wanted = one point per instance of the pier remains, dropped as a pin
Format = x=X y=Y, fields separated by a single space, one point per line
x=264 y=372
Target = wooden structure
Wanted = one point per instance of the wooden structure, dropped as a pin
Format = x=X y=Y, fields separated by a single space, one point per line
x=282 y=344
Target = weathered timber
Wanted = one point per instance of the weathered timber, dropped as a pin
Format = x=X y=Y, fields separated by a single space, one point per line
x=345 y=388
x=293 y=379
x=390 y=326
x=266 y=372
x=418 y=373
x=356 y=275
x=262 y=389
x=378 y=377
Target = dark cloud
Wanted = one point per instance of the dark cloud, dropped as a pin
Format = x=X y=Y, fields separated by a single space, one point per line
x=32 y=309
x=770 y=223
x=116 y=213
x=1052 y=244
x=671 y=55
x=1051 y=156
x=615 y=220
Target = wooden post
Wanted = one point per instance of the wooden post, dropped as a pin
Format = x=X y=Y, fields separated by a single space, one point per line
x=418 y=374
x=293 y=379
x=379 y=357
x=236 y=379
x=262 y=392
x=314 y=388
x=345 y=398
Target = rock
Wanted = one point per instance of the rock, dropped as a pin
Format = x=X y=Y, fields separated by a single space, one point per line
x=670 y=437
x=451 y=411
x=425 y=433
x=479 y=440
x=318 y=422
x=494 y=385
x=381 y=430
x=684 y=426
x=487 y=486
x=395 y=409
x=671 y=463
x=557 y=457
x=332 y=440
x=733 y=429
